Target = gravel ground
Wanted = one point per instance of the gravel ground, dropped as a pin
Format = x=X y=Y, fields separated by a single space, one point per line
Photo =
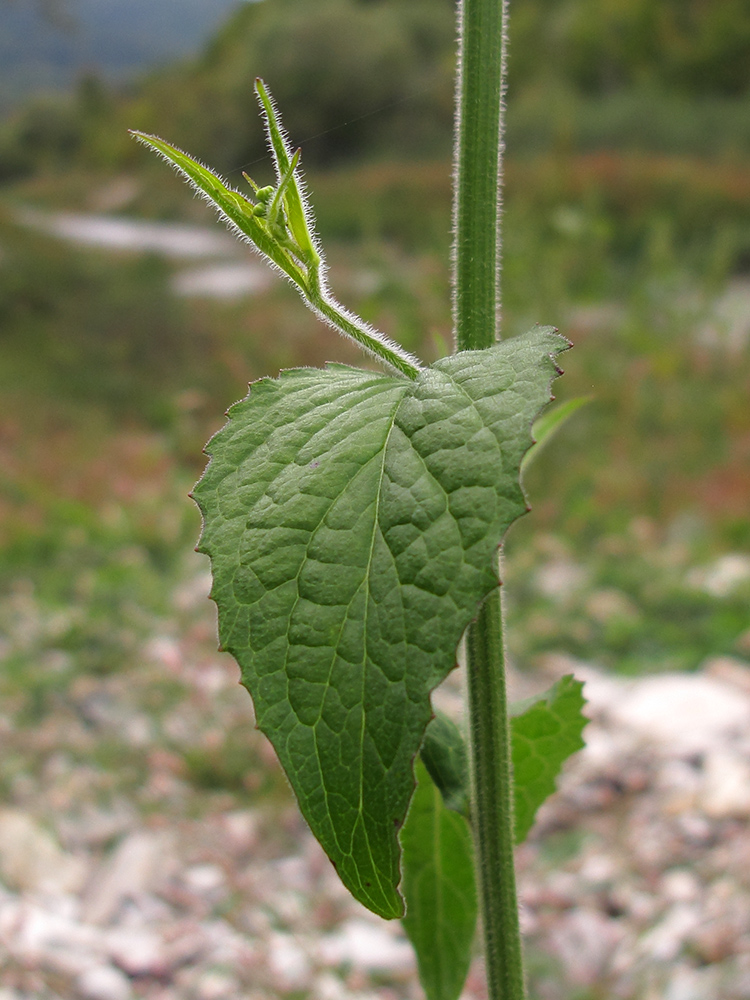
x=149 y=846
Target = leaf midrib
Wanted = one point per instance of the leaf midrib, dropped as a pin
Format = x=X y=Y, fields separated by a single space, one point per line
x=381 y=453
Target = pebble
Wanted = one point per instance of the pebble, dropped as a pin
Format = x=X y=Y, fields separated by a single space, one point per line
x=368 y=946
x=214 y=985
x=103 y=982
x=136 y=863
x=726 y=786
x=32 y=860
x=692 y=984
x=690 y=713
x=585 y=941
x=665 y=941
x=139 y=951
x=288 y=962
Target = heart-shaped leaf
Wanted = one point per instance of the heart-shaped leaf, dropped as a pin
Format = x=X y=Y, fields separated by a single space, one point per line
x=351 y=519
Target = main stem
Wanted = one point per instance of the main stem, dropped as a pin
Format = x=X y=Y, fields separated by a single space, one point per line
x=492 y=803
x=481 y=82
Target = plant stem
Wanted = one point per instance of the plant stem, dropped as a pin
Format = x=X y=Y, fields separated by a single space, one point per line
x=478 y=156
x=366 y=336
x=481 y=81
x=492 y=805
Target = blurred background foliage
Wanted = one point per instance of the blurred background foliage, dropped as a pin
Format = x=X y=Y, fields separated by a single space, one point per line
x=627 y=224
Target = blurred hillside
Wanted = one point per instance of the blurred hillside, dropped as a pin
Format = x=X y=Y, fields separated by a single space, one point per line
x=45 y=45
x=375 y=78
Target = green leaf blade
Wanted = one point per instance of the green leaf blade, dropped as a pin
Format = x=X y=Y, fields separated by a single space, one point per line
x=351 y=519
x=445 y=755
x=545 y=731
x=548 y=424
x=439 y=886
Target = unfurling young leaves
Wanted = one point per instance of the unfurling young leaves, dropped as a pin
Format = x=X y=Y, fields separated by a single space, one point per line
x=279 y=224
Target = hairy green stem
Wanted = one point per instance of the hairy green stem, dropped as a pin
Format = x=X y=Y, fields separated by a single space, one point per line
x=481 y=82
x=492 y=805
x=478 y=157
x=366 y=336
x=371 y=340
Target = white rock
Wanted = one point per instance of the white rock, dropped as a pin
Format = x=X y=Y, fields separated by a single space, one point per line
x=93 y=827
x=225 y=946
x=687 y=713
x=665 y=941
x=366 y=946
x=560 y=579
x=32 y=860
x=205 y=879
x=604 y=749
x=215 y=985
x=222 y=281
x=729 y=670
x=192 y=595
x=288 y=961
x=598 y=869
x=139 y=862
x=725 y=792
x=38 y=937
x=679 y=886
x=723 y=576
x=242 y=829
x=601 y=690
x=327 y=986
x=138 y=951
x=586 y=940
x=168 y=239
x=728 y=325
x=292 y=872
x=103 y=982
x=693 y=984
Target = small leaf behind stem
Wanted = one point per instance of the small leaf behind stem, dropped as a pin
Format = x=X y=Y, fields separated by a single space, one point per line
x=438 y=854
x=352 y=519
x=545 y=731
x=548 y=424
x=439 y=886
x=446 y=757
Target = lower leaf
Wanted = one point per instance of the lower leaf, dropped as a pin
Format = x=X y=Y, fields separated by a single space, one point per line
x=439 y=889
x=545 y=732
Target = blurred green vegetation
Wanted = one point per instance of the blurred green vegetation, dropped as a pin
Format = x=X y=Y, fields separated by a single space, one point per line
x=627 y=224
x=375 y=78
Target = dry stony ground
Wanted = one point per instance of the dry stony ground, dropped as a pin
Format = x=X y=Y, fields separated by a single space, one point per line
x=149 y=846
